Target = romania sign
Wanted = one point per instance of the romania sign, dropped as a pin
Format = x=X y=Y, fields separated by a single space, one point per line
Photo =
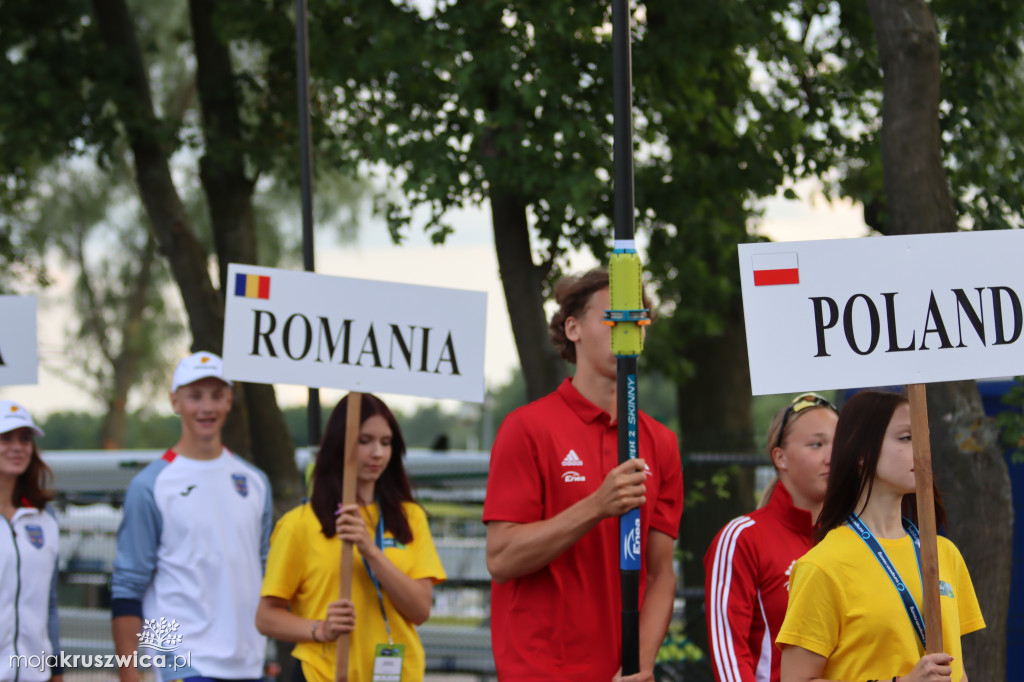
x=19 y=358
x=849 y=313
x=288 y=327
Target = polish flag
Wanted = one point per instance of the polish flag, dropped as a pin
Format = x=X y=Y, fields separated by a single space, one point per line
x=775 y=268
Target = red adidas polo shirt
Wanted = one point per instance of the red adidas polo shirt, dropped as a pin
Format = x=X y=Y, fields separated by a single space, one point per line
x=563 y=622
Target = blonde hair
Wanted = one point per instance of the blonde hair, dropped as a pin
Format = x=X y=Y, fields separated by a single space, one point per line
x=774 y=440
x=773 y=429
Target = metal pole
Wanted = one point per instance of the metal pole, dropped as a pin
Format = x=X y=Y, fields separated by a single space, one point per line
x=626 y=317
x=306 y=184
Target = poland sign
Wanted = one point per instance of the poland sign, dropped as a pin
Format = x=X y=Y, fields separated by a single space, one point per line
x=876 y=311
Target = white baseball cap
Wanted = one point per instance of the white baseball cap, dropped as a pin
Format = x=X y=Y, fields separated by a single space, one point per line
x=14 y=416
x=198 y=366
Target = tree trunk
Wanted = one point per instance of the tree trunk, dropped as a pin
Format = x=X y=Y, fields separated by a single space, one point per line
x=714 y=406
x=714 y=416
x=168 y=219
x=967 y=458
x=222 y=168
x=917 y=191
x=229 y=195
x=126 y=364
x=971 y=472
x=522 y=281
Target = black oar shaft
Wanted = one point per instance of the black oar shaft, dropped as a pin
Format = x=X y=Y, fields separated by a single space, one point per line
x=622 y=86
x=306 y=184
x=626 y=361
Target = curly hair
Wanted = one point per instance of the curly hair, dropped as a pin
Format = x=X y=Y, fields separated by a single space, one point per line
x=572 y=293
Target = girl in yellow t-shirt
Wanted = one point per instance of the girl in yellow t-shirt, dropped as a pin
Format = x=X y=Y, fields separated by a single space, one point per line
x=395 y=563
x=847 y=619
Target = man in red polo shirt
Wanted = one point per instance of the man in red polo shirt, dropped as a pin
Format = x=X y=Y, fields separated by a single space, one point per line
x=554 y=493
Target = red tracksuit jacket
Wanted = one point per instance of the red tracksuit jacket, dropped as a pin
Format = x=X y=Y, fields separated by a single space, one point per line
x=746 y=587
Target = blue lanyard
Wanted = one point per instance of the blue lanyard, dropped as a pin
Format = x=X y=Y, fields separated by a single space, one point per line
x=378 y=539
x=913 y=612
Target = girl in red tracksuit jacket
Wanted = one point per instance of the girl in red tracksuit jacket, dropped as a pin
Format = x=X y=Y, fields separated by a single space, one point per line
x=748 y=564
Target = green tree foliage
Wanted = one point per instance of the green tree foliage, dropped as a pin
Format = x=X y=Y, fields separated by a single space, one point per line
x=21 y=262
x=179 y=86
x=80 y=431
x=121 y=330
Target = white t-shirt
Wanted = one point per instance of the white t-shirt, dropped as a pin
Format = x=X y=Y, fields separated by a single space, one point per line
x=191 y=548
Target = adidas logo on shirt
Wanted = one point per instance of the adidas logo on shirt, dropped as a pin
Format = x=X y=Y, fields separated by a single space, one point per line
x=572 y=460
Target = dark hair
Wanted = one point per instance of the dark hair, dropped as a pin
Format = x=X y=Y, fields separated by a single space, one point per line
x=392 y=487
x=572 y=293
x=31 y=484
x=860 y=433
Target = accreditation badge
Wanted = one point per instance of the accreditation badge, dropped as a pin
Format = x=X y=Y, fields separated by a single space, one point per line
x=387 y=662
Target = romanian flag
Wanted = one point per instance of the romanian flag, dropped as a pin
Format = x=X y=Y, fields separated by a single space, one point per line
x=775 y=268
x=252 y=286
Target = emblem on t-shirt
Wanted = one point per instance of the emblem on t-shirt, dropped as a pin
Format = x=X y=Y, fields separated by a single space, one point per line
x=647 y=469
x=945 y=589
x=789 y=572
x=573 y=477
x=572 y=460
x=35 y=536
x=186 y=491
x=241 y=485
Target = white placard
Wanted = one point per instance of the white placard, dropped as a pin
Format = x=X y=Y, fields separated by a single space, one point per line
x=19 y=355
x=882 y=311
x=288 y=327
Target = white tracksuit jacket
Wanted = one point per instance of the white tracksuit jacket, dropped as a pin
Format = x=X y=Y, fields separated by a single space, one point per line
x=28 y=595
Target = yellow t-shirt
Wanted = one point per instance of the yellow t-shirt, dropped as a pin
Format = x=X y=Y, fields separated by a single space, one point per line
x=843 y=606
x=304 y=568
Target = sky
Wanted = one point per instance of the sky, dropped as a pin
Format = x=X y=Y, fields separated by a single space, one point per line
x=467 y=261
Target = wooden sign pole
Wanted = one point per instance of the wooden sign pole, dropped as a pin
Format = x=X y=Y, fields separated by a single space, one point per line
x=926 y=516
x=348 y=496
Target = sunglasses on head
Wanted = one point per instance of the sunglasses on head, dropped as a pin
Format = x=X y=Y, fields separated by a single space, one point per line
x=799 y=404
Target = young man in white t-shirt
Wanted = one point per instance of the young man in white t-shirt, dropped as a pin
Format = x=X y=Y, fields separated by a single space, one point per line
x=192 y=544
